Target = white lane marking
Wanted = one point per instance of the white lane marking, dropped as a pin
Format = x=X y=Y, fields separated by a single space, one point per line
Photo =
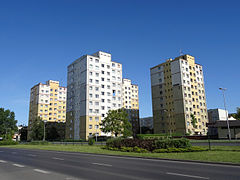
x=41 y=171
x=101 y=164
x=186 y=175
x=2 y=161
x=153 y=160
x=32 y=155
x=58 y=158
x=18 y=165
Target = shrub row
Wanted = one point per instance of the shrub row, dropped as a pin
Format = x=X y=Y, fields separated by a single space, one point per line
x=128 y=149
x=148 y=144
x=172 y=143
x=38 y=143
x=178 y=150
x=158 y=136
x=8 y=142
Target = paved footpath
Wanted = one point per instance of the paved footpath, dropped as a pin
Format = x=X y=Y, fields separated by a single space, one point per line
x=23 y=164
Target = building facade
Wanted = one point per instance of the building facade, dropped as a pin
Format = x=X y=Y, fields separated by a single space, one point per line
x=177 y=93
x=217 y=114
x=146 y=125
x=94 y=87
x=131 y=104
x=47 y=101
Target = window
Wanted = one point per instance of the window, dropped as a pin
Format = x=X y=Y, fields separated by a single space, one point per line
x=97 y=119
x=90 y=126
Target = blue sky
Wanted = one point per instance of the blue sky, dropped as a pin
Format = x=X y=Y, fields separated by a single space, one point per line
x=38 y=39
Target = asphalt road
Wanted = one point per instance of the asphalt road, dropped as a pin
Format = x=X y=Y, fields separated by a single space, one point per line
x=22 y=164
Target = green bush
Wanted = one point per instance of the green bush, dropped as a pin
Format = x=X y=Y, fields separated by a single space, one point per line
x=126 y=149
x=8 y=142
x=180 y=150
x=38 y=143
x=172 y=143
x=120 y=142
x=160 y=151
x=112 y=149
x=139 y=150
x=151 y=136
x=114 y=142
x=91 y=141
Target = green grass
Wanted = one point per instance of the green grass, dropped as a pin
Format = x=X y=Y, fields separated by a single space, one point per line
x=229 y=154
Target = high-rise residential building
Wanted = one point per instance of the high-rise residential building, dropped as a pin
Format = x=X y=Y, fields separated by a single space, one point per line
x=177 y=93
x=131 y=104
x=94 y=87
x=47 y=101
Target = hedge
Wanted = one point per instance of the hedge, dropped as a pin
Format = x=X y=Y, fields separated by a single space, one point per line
x=38 y=143
x=148 y=144
x=180 y=150
x=172 y=143
x=8 y=142
x=127 y=149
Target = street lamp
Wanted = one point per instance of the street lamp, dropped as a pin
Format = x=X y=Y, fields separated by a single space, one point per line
x=229 y=132
x=44 y=131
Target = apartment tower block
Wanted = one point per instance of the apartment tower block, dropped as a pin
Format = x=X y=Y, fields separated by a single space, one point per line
x=94 y=87
x=178 y=93
x=47 y=101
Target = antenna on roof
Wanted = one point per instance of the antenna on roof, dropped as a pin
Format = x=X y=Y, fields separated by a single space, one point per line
x=180 y=52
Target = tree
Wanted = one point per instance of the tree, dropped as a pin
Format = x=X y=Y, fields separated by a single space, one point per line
x=116 y=123
x=37 y=129
x=23 y=133
x=8 y=124
x=52 y=133
x=237 y=115
x=193 y=121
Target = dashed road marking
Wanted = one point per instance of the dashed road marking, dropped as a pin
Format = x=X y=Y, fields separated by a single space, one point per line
x=187 y=175
x=58 y=158
x=32 y=155
x=41 y=171
x=1 y=151
x=101 y=164
x=18 y=165
x=2 y=161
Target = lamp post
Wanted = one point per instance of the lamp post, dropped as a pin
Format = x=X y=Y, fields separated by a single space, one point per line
x=229 y=132
x=44 y=131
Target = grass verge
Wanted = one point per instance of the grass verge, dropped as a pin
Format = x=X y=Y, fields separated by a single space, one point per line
x=230 y=154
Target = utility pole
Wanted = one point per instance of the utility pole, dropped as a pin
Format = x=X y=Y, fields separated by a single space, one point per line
x=229 y=132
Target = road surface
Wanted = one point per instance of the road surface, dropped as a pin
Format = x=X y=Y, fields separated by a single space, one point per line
x=23 y=164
